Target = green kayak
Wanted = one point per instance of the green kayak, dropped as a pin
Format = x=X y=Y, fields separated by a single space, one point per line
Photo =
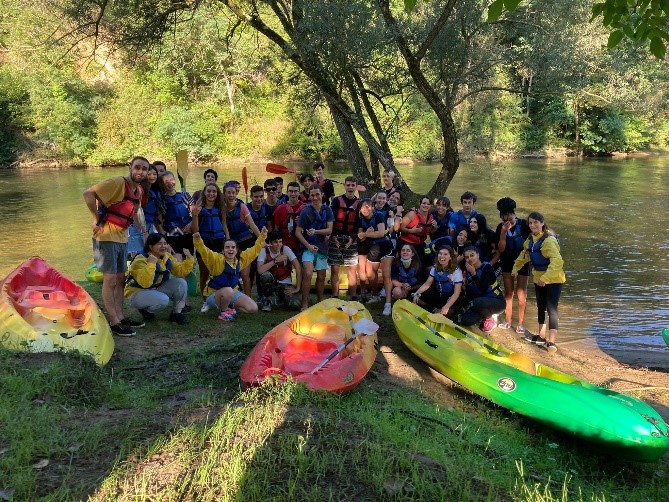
x=622 y=425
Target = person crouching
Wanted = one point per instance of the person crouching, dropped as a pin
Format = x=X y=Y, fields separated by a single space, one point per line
x=275 y=263
x=150 y=285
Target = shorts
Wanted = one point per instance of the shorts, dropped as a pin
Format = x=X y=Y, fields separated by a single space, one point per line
x=319 y=260
x=110 y=257
x=180 y=242
x=211 y=299
x=214 y=244
x=246 y=243
x=342 y=256
x=507 y=267
x=379 y=251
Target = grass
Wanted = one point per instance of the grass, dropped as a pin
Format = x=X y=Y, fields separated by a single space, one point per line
x=170 y=422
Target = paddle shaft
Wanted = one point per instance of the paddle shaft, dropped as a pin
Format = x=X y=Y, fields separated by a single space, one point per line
x=279 y=169
x=335 y=352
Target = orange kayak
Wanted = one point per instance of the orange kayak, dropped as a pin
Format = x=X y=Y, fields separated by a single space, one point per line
x=41 y=310
x=298 y=348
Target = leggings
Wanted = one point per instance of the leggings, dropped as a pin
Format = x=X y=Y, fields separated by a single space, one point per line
x=481 y=308
x=548 y=297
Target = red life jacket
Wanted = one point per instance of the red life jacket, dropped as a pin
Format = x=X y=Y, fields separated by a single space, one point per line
x=280 y=271
x=345 y=220
x=121 y=213
x=425 y=224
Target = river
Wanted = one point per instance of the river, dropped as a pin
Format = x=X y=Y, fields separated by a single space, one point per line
x=611 y=215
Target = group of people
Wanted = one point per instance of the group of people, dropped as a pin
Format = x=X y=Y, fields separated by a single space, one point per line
x=448 y=261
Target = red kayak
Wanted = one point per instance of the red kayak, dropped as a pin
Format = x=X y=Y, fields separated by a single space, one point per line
x=330 y=346
x=41 y=310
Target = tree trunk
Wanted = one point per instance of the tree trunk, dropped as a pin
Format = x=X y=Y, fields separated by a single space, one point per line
x=351 y=148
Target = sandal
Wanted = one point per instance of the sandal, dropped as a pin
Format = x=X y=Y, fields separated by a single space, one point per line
x=504 y=325
x=520 y=329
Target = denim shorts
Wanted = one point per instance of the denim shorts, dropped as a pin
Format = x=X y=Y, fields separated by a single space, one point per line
x=211 y=299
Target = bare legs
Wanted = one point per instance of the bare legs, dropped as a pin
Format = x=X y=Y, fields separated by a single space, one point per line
x=112 y=296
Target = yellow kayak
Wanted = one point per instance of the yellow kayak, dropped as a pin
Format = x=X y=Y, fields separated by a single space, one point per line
x=41 y=310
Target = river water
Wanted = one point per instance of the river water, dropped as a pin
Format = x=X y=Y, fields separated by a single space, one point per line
x=612 y=216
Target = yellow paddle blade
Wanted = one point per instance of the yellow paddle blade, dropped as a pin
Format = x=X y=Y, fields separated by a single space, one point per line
x=182 y=167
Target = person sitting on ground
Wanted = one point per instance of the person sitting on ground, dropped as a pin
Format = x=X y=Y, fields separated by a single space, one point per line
x=405 y=272
x=483 y=296
x=510 y=236
x=313 y=230
x=542 y=250
x=156 y=278
x=223 y=287
x=442 y=290
x=274 y=273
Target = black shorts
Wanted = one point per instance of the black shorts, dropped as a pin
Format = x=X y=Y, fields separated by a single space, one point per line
x=214 y=244
x=246 y=243
x=379 y=251
x=507 y=267
x=180 y=242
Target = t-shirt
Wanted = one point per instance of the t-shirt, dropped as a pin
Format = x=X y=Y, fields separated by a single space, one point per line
x=454 y=277
x=287 y=251
x=109 y=192
x=307 y=217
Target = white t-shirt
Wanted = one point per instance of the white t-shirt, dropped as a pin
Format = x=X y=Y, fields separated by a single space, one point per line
x=262 y=257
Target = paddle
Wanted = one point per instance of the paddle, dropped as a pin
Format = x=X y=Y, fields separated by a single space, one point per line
x=245 y=182
x=362 y=327
x=182 y=166
x=279 y=169
x=665 y=335
x=520 y=361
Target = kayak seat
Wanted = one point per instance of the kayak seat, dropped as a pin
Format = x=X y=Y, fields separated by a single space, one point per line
x=302 y=355
x=45 y=300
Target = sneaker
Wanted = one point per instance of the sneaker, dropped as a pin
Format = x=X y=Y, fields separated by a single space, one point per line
x=147 y=316
x=374 y=299
x=520 y=329
x=187 y=309
x=504 y=325
x=178 y=318
x=488 y=325
x=551 y=347
x=382 y=293
x=387 y=309
x=267 y=307
x=205 y=307
x=536 y=339
x=231 y=312
x=122 y=330
x=225 y=317
x=363 y=297
x=132 y=324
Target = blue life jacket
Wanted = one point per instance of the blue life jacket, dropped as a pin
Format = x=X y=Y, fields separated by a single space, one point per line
x=239 y=230
x=210 y=224
x=259 y=217
x=492 y=290
x=161 y=275
x=229 y=278
x=443 y=283
x=320 y=222
x=538 y=260
x=442 y=225
x=151 y=208
x=514 y=240
x=373 y=222
x=458 y=219
x=176 y=211
x=407 y=275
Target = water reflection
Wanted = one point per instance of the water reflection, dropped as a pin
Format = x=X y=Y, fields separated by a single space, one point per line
x=611 y=216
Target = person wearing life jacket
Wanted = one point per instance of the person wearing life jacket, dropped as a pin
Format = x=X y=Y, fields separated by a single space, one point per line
x=210 y=176
x=258 y=211
x=442 y=290
x=210 y=213
x=510 y=235
x=287 y=215
x=149 y=210
x=156 y=278
x=271 y=201
x=326 y=184
x=441 y=215
x=461 y=217
x=388 y=180
x=281 y=197
x=176 y=219
x=306 y=180
x=222 y=290
x=343 y=248
x=239 y=220
x=121 y=197
x=275 y=264
x=405 y=273
x=483 y=237
x=313 y=229
x=416 y=226
x=542 y=251
x=483 y=296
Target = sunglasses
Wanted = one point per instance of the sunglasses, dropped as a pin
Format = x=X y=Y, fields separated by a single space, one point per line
x=270 y=189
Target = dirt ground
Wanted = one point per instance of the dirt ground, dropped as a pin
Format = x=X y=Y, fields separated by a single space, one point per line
x=640 y=373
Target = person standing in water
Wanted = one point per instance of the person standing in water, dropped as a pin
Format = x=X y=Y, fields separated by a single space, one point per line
x=542 y=250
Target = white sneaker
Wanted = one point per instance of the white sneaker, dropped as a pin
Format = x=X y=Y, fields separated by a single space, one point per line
x=382 y=293
x=374 y=299
x=387 y=309
x=205 y=308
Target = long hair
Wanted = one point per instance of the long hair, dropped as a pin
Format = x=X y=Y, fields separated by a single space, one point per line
x=535 y=215
x=452 y=264
x=415 y=261
x=219 y=202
